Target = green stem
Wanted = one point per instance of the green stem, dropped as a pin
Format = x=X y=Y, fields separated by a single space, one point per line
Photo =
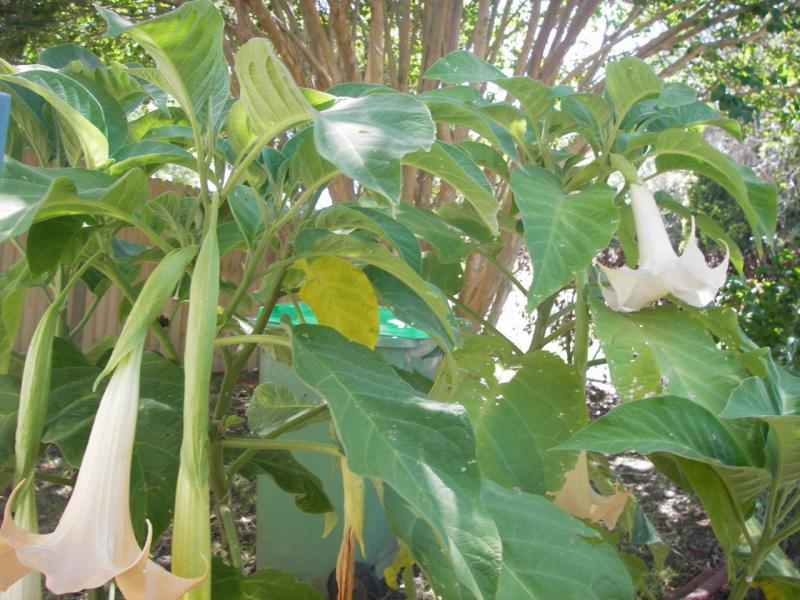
x=289 y=425
x=253 y=443
x=409 y=583
x=235 y=340
x=110 y=270
x=238 y=361
x=581 y=348
x=542 y=320
x=469 y=311
x=55 y=479
x=507 y=273
x=231 y=534
x=564 y=328
x=87 y=315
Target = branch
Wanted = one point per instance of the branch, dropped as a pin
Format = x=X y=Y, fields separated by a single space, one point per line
x=375 y=42
x=344 y=41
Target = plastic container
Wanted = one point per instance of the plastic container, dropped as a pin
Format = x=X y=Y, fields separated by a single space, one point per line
x=291 y=540
x=5 y=112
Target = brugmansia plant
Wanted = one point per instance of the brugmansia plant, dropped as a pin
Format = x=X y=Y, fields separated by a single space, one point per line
x=491 y=484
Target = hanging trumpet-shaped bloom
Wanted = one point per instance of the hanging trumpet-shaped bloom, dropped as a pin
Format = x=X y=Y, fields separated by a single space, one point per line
x=661 y=271
x=94 y=540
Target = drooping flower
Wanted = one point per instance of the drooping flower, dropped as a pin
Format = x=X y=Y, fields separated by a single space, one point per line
x=661 y=271
x=94 y=540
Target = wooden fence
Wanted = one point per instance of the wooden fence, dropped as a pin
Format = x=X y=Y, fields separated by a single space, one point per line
x=105 y=319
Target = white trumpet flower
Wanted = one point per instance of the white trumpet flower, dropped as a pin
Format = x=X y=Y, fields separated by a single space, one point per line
x=94 y=540
x=661 y=271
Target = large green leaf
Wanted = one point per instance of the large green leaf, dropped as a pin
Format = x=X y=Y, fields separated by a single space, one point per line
x=542 y=406
x=81 y=113
x=446 y=109
x=9 y=402
x=628 y=81
x=461 y=66
x=534 y=96
x=186 y=45
x=775 y=400
x=563 y=231
x=52 y=241
x=343 y=215
x=150 y=154
x=292 y=477
x=26 y=114
x=547 y=554
x=448 y=240
x=271 y=99
x=680 y=428
x=677 y=150
x=366 y=137
x=408 y=307
x=13 y=289
x=423 y=449
x=658 y=350
x=456 y=168
x=660 y=424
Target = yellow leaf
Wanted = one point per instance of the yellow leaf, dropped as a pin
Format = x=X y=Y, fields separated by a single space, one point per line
x=579 y=499
x=341 y=297
x=403 y=560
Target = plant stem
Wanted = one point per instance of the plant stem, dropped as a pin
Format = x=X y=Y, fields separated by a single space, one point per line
x=289 y=425
x=409 y=584
x=460 y=305
x=225 y=395
x=87 y=314
x=253 y=443
x=581 y=348
x=542 y=320
x=236 y=340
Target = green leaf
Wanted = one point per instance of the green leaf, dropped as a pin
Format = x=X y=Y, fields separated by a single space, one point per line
x=691 y=115
x=271 y=99
x=306 y=165
x=341 y=297
x=186 y=45
x=658 y=350
x=678 y=427
x=592 y=115
x=26 y=114
x=775 y=400
x=246 y=211
x=149 y=154
x=13 y=289
x=343 y=215
x=293 y=478
x=366 y=137
x=461 y=66
x=9 y=403
x=534 y=96
x=423 y=449
x=61 y=55
x=80 y=112
x=445 y=109
x=228 y=583
x=459 y=170
x=548 y=554
x=272 y=404
x=541 y=407
x=628 y=81
x=662 y=424
x=48 y=242
x=408 y=307
x=563 y=231
x=428 y=226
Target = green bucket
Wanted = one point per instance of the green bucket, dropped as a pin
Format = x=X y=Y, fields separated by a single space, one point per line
x=291 y=540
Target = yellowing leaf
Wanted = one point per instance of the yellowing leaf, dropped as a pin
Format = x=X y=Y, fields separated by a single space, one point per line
x=579 y=499
x=341 y=297
x=403 y=560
